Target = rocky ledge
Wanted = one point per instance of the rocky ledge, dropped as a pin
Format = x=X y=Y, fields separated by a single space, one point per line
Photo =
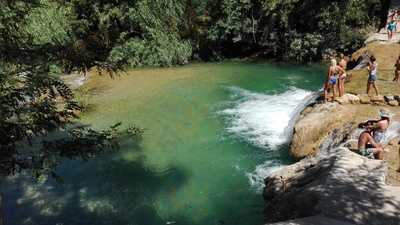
x=332 y=184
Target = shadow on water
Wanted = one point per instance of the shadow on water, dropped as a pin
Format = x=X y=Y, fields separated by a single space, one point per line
x=106 y=190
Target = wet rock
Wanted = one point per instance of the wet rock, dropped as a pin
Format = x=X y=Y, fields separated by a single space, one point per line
x=364 y=99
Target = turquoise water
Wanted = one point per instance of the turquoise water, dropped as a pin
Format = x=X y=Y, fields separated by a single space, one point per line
x=212 y=132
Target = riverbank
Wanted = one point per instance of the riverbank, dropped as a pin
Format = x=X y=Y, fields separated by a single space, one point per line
x=334 y=182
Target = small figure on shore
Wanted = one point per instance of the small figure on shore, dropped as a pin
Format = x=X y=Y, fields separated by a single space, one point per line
x=342 y=75
x=397 y=70
x=372 y=74
x=331 y=79
x=391 y=27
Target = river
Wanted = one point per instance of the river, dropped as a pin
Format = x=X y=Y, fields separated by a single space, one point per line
x=212 y=132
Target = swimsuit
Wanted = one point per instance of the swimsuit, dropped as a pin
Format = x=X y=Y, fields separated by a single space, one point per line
x=373 y=74
x=367 y=152
x=391 y=26
x=379 y=136
x=332 y=80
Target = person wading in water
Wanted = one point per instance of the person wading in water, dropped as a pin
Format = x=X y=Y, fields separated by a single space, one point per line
x=373 y=74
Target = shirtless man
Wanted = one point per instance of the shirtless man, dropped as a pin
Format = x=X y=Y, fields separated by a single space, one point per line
x=378 y=127
x=368 y=147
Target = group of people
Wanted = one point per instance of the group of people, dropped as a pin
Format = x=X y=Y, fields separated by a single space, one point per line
x=370 y=142
x=336 y=78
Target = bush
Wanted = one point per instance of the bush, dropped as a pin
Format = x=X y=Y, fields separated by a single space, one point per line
x=157 y=50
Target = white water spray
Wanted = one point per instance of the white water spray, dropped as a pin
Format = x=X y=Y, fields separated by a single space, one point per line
x=265 y=121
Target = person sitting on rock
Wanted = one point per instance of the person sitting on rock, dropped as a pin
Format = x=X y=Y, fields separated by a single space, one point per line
x=378 y=127
x=368 y=147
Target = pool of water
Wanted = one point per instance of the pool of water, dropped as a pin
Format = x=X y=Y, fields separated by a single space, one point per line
x=212 y=132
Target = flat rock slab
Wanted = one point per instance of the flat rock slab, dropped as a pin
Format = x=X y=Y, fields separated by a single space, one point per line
x=313 y=220
x=341 y=185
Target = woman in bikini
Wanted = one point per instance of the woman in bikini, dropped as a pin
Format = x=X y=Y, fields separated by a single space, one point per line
x=342 y=75
x=331 y=79
x=391 y=27
x=373 y=75
x=397 y=70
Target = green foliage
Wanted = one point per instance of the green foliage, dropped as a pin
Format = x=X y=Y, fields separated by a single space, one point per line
x=159 y=50
x=50 y=23
x=305 y=47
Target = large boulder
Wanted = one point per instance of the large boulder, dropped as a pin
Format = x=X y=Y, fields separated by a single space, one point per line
x=340 y=185
x=312 y=129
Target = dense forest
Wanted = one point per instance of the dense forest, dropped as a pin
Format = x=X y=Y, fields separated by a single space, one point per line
x=40 y=39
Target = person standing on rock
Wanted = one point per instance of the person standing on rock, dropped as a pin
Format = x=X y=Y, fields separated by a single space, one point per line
x=391 y=27
x=372 y=75
x=397 y=70
x=331 y=79
x=342 y=75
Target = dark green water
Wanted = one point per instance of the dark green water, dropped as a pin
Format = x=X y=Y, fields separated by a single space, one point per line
x=212 y=132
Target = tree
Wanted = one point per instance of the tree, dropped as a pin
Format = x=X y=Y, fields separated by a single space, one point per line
x=37 y=113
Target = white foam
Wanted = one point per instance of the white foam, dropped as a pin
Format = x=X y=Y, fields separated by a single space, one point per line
x=266 y=121
x=256 y=178
x=263 y=119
